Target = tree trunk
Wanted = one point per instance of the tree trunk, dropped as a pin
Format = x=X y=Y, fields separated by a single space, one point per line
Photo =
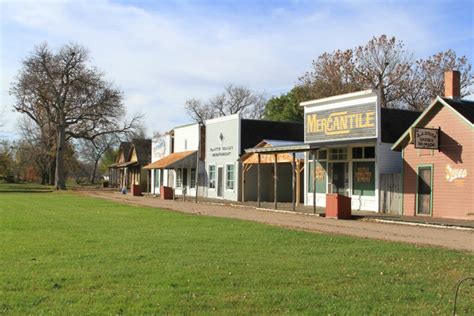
x=60 y=179
x=94 y=171
x=52 y=170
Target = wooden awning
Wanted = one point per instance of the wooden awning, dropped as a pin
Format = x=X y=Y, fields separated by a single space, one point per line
x=269 y=148
x=174 y=160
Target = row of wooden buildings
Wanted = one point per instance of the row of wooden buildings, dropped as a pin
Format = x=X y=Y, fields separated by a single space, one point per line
x=386 y=160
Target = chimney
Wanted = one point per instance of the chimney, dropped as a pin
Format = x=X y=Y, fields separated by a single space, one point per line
x=452 y=84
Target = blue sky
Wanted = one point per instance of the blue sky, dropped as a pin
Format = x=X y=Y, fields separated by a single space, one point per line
x=160 y=53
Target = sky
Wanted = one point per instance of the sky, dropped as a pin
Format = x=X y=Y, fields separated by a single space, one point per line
x=161 y=53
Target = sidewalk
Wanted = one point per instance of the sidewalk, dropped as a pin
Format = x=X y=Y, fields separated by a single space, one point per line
x=447 y=238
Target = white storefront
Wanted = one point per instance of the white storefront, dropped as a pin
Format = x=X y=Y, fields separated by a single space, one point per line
x=222 y=157
x=345 y=132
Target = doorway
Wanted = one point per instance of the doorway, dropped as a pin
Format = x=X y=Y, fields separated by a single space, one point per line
x=424 y=190
x=220 y=181
x=339 y=178
x=185 y=177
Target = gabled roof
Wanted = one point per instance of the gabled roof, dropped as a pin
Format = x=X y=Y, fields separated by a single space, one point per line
x=464 y=109
x=125 y=149
x=142 y=148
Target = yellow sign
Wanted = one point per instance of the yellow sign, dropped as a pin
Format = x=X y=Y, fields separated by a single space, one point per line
x=363 y=174
x=453 y=174
x=338 y=123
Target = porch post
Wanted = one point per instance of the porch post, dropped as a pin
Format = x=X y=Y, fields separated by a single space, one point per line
x=293 y=181
x=243 y=181
x=314 y=182
x=148 y=182
x=298 y=185
x=258 y=181
x=275 y=182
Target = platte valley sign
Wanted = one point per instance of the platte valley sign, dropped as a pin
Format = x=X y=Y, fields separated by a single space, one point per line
x=343 y=123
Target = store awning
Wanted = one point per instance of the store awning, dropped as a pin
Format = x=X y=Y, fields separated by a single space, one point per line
x=268 y=157
x=175 y=160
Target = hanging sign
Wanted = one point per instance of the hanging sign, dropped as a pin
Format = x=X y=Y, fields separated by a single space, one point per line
x=426 y=138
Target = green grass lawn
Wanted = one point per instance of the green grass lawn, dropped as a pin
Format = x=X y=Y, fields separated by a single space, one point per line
x=65 y=254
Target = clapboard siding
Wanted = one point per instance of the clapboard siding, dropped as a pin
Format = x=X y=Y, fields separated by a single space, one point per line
x=389 y=161
x=450 y=199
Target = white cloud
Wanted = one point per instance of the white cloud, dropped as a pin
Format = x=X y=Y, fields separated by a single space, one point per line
x=160 y=57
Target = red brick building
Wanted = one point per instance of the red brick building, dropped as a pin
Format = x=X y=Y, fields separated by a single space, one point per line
x=440 y=182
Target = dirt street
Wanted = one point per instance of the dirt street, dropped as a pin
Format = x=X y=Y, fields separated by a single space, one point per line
x=441 y=237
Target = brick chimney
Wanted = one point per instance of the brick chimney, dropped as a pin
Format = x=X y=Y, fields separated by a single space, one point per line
x=452 y=84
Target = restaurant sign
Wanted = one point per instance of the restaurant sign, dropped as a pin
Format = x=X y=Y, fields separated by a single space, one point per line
x=350 y=122
x=426 y=138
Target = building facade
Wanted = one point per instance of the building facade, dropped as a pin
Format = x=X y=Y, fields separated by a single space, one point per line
x=438 y=158
x=161 y=147
x=226 y=139
x=351 y=138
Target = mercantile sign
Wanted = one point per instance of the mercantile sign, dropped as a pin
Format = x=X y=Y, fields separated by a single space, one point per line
x=350 y=122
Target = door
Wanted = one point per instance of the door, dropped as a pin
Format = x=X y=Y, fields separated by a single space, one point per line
x=424 y=190
x=220 y=181
x=185 y=178
x=339 y=178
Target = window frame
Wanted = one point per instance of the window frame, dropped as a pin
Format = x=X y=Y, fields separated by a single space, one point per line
x=227 y=179
x=214 y=173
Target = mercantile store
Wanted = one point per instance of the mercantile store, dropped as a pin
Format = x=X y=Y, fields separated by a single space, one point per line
x=348 y=141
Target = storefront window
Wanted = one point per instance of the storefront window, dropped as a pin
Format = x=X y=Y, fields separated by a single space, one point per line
x=322 y=154
x=321 y=167
x=212 y=177
x=338 y=154
x=363 y=178
x=179 y=178
x=193 y=178
x=229 y=184
x=363 y=152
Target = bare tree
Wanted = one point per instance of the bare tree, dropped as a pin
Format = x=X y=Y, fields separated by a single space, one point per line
x=427 y=78
x=92 y=151
x=234 y=99
x=63 y=89
x=384 y=64
x=331 y=74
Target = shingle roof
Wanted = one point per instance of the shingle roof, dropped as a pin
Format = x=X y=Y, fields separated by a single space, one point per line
x=171 y=159
x=463 y=107
x=395 y=122
x=143 y=150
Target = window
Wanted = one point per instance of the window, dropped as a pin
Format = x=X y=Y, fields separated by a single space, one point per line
x=363 y=152
x=229 y=171
x=357 y=153
x=179 y=178
x=363 y=178
x=212 y=177
x=193 y=178
x=157 y=178
x=369 y=152
x=338 y=154
x=322 y=155
x=320 y=176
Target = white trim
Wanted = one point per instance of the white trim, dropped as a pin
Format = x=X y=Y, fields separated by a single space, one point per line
x=225 y=177
x=339 y=98
x=333 y=106
x=209 y=176
x=222 y=118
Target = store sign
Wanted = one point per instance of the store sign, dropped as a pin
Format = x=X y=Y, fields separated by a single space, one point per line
x=363 y=175
x=350 y=122
x=426 y=138
x=320 y=173
x=453 y=174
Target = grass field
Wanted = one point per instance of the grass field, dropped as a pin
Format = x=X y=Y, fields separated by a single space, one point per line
x=65 y=254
